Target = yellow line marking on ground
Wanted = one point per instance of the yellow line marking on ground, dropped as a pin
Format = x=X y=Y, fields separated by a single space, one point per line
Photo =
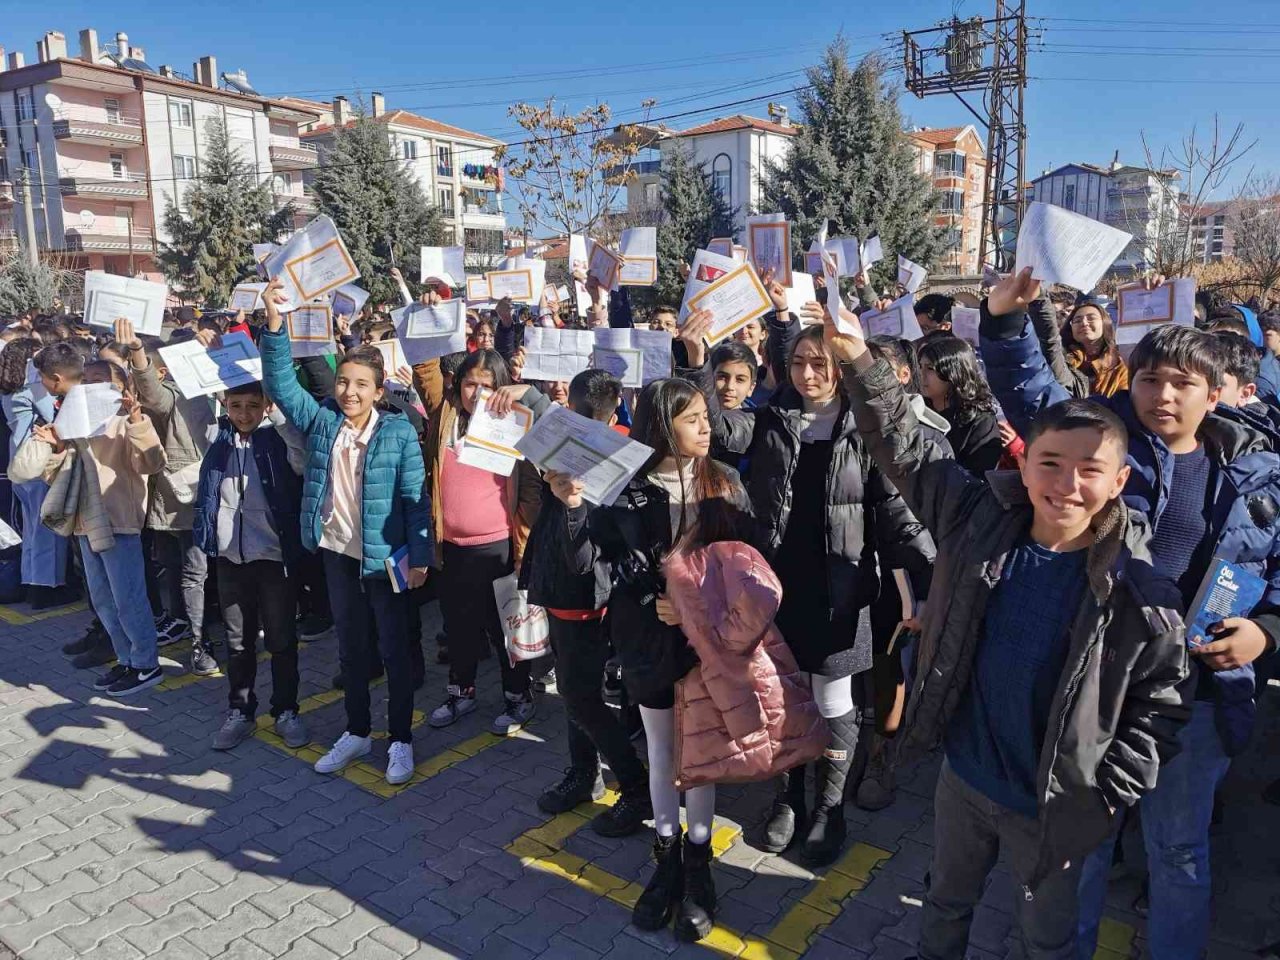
x=364 y=774
x=180 y=653
x=1115 y=940
x=542 y=848
x=18 y=619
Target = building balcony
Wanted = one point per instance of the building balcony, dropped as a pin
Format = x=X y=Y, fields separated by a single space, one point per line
x=110 y=240
x=6 y=192
x=641 y=168
x=444 y=170
x=105 y=129
x=130 y=187
x=302 y=202
x=288 y=154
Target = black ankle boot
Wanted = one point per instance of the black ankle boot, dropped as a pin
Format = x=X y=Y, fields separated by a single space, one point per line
x=788 y=817
x=827 y=829
x=697 y=913
x=662 y=896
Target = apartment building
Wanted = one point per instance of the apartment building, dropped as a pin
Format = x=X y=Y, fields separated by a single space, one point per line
x=1135 y=199
x=456 y=168
x=735 y=151
x=955 y=160
x=107 y=141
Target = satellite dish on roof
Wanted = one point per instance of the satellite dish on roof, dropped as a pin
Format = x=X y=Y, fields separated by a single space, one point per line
x=87 y=219
x=53 y=101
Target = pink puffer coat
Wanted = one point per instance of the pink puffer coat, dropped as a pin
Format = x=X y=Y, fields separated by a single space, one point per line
x=745 y=712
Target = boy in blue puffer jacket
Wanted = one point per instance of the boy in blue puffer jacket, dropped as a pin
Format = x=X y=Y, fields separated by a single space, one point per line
x=1210 y=485
x=364 y=498
x=245 y=519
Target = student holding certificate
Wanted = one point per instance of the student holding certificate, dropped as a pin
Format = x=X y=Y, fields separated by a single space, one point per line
x=812 y=483
x=363 y=501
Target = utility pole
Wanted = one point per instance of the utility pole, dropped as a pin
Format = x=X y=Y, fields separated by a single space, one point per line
x=988 y=56
x=28 y=216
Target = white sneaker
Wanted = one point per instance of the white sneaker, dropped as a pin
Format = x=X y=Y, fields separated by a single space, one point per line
x=399 y=763
x=459 y=702
x=347 y=749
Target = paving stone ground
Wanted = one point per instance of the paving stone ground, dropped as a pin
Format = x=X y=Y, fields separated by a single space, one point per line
x=123 y=835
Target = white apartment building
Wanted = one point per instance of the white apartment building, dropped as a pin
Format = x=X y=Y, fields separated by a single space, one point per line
x=1134 y=199
x=456 y=168
x=107 y=141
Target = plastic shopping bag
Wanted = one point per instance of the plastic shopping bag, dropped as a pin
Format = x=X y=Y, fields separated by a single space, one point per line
x=524 y=625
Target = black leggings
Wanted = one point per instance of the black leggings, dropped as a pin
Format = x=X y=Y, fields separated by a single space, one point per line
x=471 y=613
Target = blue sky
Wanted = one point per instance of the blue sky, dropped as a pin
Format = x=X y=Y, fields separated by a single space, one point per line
x=1104 y=72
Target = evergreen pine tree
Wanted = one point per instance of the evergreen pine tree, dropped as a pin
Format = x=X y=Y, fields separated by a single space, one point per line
x=694 y=212
x=377 y=205
x=227 y=211
x=852 y=163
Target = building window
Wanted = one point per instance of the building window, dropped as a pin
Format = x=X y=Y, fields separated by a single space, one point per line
x=409 y=149
x=949 y=163
x=180 y=113
x=118 y=169
x=722 y=177
x=112 y=106
x=29 y=160
x=26 y=107
x=952 y=201
x=444 y=162
x=184 y=168
x=651 y=195
x=951 y=239
x=4 y=169
x=446 y=201
x=484 y=242
x=1069 y=196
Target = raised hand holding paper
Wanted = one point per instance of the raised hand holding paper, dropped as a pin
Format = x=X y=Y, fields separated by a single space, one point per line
x=639 y=249
x=1064 y=247
x=769 y=246
x=707 y=267
x=910 y=275
x=603 y=264
x=108 y=296
x=313 y=262
x=393 y=357
x=443 y=263
x=734 y=300
x=801 y=291
x=585 y=449
x=491 y=441
x=514 y=285
x=870 y=253
x=200 y=371
x=86 y=409
x=426 y=332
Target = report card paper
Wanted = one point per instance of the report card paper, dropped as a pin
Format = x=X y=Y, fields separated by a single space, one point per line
x=634 y=356
x=639 y=248
x=769 y=246
x=200 y=371
x=734 y=300
x=588 y=450
x=313 y=262
x=1064 y=247
x=108 y=296
x=429 y=332
x=1138 y=310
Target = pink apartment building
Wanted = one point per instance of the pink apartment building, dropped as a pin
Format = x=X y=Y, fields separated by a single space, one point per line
x=106 y=140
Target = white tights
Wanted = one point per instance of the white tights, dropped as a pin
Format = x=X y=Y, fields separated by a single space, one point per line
x=699 y=802
x=833 y=695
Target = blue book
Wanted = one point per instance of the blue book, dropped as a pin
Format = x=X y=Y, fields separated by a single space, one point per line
x=398 y=569
x=1228 y=590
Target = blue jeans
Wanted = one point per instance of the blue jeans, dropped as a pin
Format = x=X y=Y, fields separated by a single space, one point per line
x=117 y=586
x=1175 y=830
x=44 y=553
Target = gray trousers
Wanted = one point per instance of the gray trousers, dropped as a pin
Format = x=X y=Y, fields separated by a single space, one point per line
x=970 y=833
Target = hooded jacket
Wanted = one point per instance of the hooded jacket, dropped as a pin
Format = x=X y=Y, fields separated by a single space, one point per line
x=1124 y=689
x=1244 y=522
x=745 y=711
x=186 y=428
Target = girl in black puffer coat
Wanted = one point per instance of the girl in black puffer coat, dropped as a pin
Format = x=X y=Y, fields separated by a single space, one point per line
x=827 y=515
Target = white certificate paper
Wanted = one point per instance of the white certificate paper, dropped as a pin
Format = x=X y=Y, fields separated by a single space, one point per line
x=1138 y=310
x=964 y=323
x=896 y=320
x=490 y=443
x=311 y=330
x=603 y=264
x=734 y=300
x=1064 y=247
x=634 y=356
x=200 y=371
x=86 y=409
x=706 y=269
x=516 y=285
x=639 y=249
x=393 y=357
x=313 y=262
x=443 y=263
x=588 y=450
x=348 y=300
x=247 y=296
x=910 y=275
x=108 y=296
x=769 y=246
x=429 y=332
x=801 y=291
x=553 y=354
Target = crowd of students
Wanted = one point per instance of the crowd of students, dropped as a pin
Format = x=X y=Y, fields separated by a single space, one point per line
x=1024 y=525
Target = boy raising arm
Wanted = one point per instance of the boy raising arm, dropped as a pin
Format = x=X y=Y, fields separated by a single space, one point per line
x=1051 y=662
